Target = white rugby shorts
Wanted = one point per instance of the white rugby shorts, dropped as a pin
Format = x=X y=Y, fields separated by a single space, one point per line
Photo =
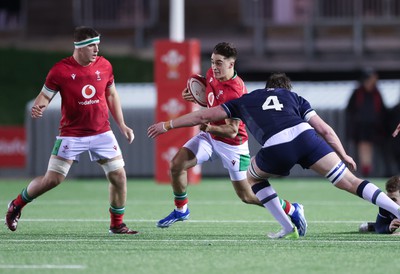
x=235 y=159
x=101 y=146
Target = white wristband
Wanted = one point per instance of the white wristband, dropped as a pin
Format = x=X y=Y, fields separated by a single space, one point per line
x=170 y=124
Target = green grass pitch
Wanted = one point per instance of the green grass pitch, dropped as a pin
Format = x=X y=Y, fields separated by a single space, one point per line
x=66 y=231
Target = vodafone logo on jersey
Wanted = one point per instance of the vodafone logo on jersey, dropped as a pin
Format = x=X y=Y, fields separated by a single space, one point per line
x=88 y=92
x=210 y=98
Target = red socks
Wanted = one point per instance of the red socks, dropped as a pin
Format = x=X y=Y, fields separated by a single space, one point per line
x=19 y=202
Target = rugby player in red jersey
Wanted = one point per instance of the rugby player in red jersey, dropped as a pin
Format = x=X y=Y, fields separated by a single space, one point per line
x=226 y=139
x=290 y=133
x=85 y=82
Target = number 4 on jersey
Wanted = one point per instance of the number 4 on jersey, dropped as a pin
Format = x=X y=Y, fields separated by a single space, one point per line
x=272 y=102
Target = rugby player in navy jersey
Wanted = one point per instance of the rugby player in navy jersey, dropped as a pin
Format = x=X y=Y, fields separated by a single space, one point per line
x=225 y=139
x=290 y=132
x=386 y=222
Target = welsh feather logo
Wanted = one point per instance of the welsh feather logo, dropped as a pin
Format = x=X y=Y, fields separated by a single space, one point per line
x=173 y=59
x=98 y=75
x=173 y=108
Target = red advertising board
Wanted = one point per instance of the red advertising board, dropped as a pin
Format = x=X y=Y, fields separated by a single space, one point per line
x=174 y=63
x=12 y=147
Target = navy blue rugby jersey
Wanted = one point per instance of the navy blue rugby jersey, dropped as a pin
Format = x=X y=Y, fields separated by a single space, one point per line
x=269 y=111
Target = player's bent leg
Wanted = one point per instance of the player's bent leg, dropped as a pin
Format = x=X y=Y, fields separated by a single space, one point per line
x=333 y=168
x=42 y=184
x=180 y=163
x=183 y=160
x=269 y=198
x=57 y=170
x=339 y=175
x=245 y=193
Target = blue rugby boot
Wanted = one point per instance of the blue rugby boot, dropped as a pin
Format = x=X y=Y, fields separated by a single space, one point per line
x=173 y=217
x=298 y=219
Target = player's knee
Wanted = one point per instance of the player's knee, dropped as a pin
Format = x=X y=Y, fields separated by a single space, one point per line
x=248 y=198
x=245 y=199
x=182 y=161
x=50 y=181
x=176 y=166
x=117 y=178
x=251 y=200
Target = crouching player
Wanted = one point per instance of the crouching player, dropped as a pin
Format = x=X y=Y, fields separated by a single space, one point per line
x=386 y=222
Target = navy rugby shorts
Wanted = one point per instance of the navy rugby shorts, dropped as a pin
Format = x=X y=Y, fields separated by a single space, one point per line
x=305 y=150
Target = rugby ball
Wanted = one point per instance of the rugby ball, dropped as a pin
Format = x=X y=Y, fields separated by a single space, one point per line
x=196 y=85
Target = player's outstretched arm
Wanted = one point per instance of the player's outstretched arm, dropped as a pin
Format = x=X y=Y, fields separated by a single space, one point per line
x=188 y=120
x=229 y=130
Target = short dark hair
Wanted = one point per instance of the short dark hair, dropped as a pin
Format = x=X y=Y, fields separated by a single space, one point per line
x=279 y=80
x=367 y=73
x=82 y=33
x=393 y=184
x=225 y=49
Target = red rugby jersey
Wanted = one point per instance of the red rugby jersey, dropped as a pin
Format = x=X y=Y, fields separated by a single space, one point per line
x=84 y=110
x=220 y=92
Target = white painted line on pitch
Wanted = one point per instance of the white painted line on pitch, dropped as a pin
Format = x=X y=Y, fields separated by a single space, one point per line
x=137 y=239
x=42 y=266
x=190 y=221
x=197 y=203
